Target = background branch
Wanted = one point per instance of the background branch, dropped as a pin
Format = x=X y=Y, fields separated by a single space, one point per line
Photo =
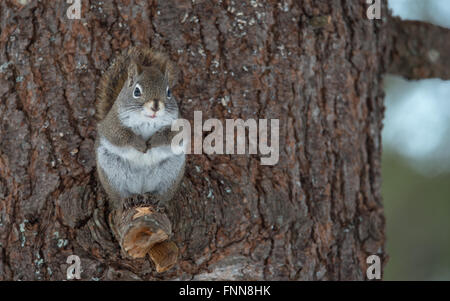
x=419 y=50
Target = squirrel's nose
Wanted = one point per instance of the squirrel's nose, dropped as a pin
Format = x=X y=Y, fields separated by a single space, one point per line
x=155 y=105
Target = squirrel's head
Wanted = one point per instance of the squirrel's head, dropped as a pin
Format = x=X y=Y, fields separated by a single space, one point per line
x=147 y=95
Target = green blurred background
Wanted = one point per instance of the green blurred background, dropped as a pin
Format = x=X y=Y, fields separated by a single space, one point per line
x=416 y=164
x=417 y=212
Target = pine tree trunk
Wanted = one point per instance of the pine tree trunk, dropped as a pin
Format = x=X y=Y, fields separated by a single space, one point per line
x=316 y=66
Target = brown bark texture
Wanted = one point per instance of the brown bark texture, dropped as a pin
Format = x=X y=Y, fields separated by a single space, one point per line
x=316 y=66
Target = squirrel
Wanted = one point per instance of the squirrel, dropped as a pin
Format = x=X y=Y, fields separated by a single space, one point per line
x=135 y=110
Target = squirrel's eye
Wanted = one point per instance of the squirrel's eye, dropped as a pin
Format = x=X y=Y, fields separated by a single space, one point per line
x=169 y=93
x=137 y=92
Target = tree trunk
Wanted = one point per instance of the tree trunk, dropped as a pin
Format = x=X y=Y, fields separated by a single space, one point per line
x=316 y=66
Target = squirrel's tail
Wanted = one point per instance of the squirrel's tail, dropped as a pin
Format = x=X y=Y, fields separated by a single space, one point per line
x=115 y=76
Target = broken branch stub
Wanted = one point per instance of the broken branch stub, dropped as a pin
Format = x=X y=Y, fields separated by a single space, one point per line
x=142 y=230
x=164 y=255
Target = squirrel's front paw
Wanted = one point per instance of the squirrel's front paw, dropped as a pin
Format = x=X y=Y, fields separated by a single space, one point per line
x=141 y=146
x=159 y=138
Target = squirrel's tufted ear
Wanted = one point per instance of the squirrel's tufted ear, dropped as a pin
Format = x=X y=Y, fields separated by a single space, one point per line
x=167 y=76
x=170 y=73
x=133 y=71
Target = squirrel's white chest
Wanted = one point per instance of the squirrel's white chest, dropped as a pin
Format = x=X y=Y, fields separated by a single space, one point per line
x=151 y=157
x=141 y=126
x=132 y=172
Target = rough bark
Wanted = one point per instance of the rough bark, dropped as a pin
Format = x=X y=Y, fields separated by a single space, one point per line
x=315 y=65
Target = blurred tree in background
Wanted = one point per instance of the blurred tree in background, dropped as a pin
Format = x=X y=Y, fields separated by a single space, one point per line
x=416 y=164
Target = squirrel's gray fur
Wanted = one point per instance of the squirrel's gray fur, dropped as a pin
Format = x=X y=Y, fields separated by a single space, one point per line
x=133 y=146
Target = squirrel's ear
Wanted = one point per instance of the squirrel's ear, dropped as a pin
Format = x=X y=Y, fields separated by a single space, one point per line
x=170 y=74
x=167 y=76
x=133 y=71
